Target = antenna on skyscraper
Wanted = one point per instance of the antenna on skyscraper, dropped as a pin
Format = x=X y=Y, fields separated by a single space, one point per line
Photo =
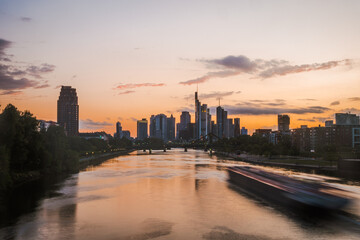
x=197 y=87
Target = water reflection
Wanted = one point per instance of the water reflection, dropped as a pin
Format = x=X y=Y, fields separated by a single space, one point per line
x=168 y=195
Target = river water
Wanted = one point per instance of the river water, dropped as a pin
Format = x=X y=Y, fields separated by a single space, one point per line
x=170 y=195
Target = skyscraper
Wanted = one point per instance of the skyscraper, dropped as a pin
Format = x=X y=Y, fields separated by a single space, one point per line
x=244 y=131
x=158 y=127
x=119 y=133
x=68 y=110
x=202 y=119
x=183 y=130
x=142 y=129
x=197 y=117
x=346 y=119
x=236 y=127
x=185 y=118
x=170 y=128
x=222 y=123
x=283 y=122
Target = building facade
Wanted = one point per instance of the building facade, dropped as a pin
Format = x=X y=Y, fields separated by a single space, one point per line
x=170 y=128
x=202 y=119
x=346 y=119
x=68 y=110
x=142 y=129
x=118 y=133
x=236 y=127
x=283 y=123
x=158 y=127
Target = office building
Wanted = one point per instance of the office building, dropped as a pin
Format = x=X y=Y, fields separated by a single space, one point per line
x=142 y=129
x=329 y=123
x=68 y=110
x=170 y=128
x=222 y=122
x=283 y=123
x=244 y=131
x=202 y=119
x=182 y=127
x=346 y=119
x=158 y=127
x=126 y=134
x=118 y=133
x=236 y=127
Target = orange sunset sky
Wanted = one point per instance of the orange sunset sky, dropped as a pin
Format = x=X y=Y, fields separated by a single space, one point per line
x=131 y=59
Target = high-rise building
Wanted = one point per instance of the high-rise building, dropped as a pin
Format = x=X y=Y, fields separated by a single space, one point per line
x=182 y=127
x=202 y=119
x=158 y=127
x=68 y=110
x=283 y=123
x=329 y=123
x=126 y=134
x=236 y=127
x=205 y=124
x=244 y=131
x=219 y=121
x=346 y=119
x=197 y=117
x=142 y=129
x=222 y=122
x=170 y=128
x=119 y=132
x=230 y=127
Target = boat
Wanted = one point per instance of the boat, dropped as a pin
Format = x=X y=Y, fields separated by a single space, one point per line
x=286 y=190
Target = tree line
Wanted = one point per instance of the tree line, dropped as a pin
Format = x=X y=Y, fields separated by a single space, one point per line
x=25 y=149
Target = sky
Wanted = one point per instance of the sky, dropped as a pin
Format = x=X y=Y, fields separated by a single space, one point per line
x=129 y=60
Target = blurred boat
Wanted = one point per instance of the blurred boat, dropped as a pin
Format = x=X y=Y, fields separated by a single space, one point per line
x=286 y=190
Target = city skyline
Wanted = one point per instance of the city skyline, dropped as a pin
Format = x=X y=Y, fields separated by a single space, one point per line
x=127 y=63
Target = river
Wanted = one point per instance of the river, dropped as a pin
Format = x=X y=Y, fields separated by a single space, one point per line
x=167 y=195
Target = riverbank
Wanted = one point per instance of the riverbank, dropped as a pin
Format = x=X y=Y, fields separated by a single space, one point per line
x=97 y=159
x=20 y=178
x=294 y=163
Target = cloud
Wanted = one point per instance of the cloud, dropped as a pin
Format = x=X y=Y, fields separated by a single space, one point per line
x=90 y=124
x=306 y=120
x=351 y=110
x=4 y=44
x=248 y=110
x=126 y=92
x=14 y=78
x=354 y=99
x=241 y=63
x=11 y=92
x=222 y=74
x=186 y=109
x=259 y=68
x=335 y=103
x=36 y=71
x=215 y=94
x=314 y=119
x=137 y=85
x=307 y=99
x=259 y=103
x=26 y=19
x=9 y=83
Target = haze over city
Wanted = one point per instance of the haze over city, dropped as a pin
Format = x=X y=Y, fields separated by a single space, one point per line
x=130 y=60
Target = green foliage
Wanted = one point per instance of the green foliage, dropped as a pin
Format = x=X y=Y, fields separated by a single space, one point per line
x=20 y=136
x=80 y=145
x=120 y=143
x=62 y=158
x=5 y=179
x=25 y=149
